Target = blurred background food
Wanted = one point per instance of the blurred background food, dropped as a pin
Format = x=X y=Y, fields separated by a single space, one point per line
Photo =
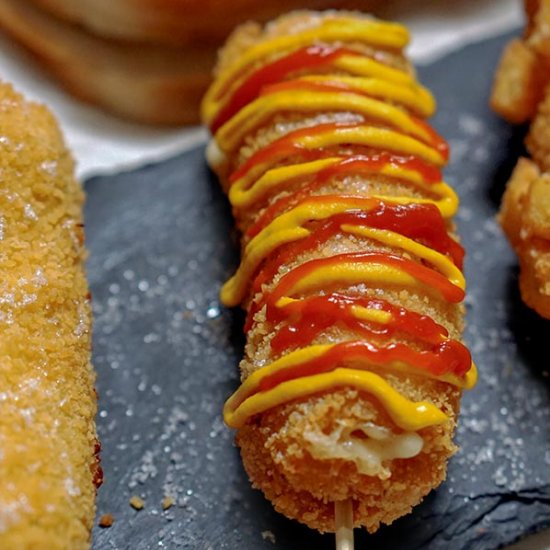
x=524 y=68
x=146 y=61
x=173 y=22
x=521 y=94
x=123 y=77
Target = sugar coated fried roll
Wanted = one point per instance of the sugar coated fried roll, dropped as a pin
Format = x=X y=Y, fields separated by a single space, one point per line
x=49 y=468
x=351 y=273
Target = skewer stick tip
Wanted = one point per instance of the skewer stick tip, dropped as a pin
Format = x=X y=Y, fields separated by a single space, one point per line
x=343 y=516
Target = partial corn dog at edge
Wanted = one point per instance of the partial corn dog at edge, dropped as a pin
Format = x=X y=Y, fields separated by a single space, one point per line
x=49 y=463
x=351 y=271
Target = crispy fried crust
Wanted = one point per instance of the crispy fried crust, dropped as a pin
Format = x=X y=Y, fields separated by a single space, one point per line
x=531 y=8
x=518 y=83
x=47 y=432
x=537 y=141
x=513 y=200
x=534 y=282
x=278 y=463
x=525 y=218
x=524 y=68
x=274 y=445
x=539 y=27
x=520 y=94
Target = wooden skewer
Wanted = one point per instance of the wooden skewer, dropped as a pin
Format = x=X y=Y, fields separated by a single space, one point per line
x=343 y=514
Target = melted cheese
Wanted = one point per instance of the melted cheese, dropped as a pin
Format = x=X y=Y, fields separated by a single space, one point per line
x=368 y=446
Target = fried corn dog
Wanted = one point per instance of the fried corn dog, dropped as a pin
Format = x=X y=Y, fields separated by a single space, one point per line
x=48 y=448
x=350 y=271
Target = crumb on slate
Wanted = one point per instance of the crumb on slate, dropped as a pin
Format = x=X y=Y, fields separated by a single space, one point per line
x=137 y=503
x=268 y=535
x=167 y=502
x=106 y=520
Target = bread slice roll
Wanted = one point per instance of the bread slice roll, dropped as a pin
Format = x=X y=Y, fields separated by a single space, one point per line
x=141 y=82
x=49 y=468
x=179 y=22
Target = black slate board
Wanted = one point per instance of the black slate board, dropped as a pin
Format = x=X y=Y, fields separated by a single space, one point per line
x=161 y=244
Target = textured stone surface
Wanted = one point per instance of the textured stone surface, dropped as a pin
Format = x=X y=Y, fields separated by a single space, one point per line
x=166 y=353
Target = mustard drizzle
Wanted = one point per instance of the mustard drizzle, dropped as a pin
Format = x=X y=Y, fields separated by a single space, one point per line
x=376 y=87
x=339 y=29
x=247 y=190
x=289 y=227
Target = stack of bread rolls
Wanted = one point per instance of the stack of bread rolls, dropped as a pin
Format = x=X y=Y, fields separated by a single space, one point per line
x=145 y=60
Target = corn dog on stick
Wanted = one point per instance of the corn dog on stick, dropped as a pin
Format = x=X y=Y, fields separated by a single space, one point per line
x=48 y=448
x=350 y=273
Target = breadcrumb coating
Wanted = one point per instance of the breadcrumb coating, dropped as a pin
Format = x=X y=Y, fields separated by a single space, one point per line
x=537 y=140
x=525 y=218
x=276 y=458
x=275 y=445
x=518 y=84
x=48 y=446
x=520 y=94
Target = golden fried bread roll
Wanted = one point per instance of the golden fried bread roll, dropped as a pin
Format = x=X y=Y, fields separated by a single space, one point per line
x=48 y=448
x=351 y=273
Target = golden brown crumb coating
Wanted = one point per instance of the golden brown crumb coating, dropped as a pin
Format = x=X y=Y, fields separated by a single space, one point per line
x=523 y=72
x=520 y=93
x=537 y=141
x=276 y=445
x=47 y=433
x=511 y=209
x=519 y=83
x=301 y=487
x=525 y=218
